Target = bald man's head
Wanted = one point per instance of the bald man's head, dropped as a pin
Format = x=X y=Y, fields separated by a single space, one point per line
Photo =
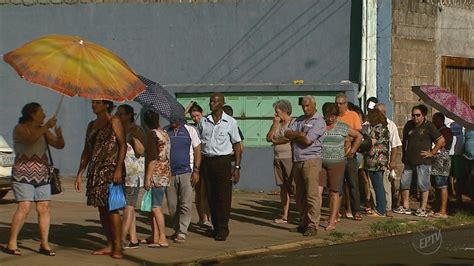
x=382 y=108
x=216 y=102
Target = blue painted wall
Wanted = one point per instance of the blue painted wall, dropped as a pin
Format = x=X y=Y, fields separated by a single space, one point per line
x=244 y=42
x=384 y=48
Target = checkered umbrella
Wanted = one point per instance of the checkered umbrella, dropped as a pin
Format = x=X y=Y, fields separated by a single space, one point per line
x=158 y=99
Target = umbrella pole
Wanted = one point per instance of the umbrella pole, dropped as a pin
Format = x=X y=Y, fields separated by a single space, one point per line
x=59 y=105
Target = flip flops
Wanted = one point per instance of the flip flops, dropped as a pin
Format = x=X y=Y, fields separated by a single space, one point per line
x=158 y=245
x=280 y=221
x=357 y=216
x=101 y=252
x=47 y=252
x=146 y=241
x=15 y=252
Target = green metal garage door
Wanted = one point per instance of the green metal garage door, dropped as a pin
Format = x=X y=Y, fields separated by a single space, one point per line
x=254 y=112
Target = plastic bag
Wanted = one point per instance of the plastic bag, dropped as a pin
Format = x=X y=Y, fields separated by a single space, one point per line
x=116 y=197
x=146 y=201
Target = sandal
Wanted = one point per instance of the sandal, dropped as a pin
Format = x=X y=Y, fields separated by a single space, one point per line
x=349 y=215
x=145 y=241
x=280 y=221
x=117 y=255
x=15 y=252
x=439 y=215
x=330 y=228
x=357 y=216
x=47 y=252
x=158 y=245
x=101 y=252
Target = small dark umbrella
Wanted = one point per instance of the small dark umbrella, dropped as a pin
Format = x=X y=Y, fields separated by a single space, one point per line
x=158 y=99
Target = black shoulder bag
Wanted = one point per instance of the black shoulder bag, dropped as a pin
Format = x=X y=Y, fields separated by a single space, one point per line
x=53 y=174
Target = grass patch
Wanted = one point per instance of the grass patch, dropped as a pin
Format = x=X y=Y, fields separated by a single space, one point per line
x=389 y=227
x=399 y=226
x=339 y=237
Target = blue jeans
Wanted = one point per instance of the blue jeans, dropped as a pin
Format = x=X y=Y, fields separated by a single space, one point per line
x=376 y=177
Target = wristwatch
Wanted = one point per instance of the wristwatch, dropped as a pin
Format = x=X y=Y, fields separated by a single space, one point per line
x=237 y=167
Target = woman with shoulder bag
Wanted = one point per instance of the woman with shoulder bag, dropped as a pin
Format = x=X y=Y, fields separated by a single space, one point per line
x=30 y=173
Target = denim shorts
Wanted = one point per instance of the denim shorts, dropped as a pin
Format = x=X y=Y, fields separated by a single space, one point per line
x=440 y=181
x=131 y=195
x=423 y=172
x=28 y=192
x=157 y=195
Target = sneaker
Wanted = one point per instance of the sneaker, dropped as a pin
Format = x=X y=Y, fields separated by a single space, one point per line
x=132 y=245
x=421 y=213
x=310 y=231
x=402 y=210
x=207 y=224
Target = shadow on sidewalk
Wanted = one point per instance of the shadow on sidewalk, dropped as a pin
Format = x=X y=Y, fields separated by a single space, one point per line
x=67 y=235
x=262 y=212
x=64 y=235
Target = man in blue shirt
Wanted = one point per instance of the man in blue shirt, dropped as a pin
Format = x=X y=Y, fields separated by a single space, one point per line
x=306 y=135
x=220 y=139
x=185 y=162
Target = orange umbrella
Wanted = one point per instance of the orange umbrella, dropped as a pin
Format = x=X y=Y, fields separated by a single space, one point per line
x=73 y=66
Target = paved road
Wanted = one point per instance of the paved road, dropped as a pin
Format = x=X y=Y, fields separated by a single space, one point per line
x=455 y=247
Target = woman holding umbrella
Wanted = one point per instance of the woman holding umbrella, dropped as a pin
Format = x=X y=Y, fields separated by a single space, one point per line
x=30 y=173
x=103 y=156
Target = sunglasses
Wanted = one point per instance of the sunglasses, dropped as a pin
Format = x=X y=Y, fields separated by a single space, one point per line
x=415 y=115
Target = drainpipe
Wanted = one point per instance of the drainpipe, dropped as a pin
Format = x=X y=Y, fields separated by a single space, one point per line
x=371 y=75
x=363 y=60
x=368 y=68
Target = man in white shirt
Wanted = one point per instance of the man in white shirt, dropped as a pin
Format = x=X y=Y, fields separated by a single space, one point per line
x=389 y=181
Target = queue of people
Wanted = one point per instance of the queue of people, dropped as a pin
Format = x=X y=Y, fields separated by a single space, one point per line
x=312 y=153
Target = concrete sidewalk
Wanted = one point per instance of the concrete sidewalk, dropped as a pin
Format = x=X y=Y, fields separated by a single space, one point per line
x=76 y=231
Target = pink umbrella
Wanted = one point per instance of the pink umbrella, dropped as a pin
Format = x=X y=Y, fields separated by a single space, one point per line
x=447 y=103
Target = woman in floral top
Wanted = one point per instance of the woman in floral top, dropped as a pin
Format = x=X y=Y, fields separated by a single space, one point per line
x=157 y=173
x=376 y=160
x=134 y=169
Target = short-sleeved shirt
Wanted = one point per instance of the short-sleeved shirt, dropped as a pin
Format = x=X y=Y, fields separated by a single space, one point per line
x=378 y=157
x=162 y=169
x=183 y=142
x=418 y=139
x=333 y=144
x=217 y=138
x=394 y=137
x=134 y=167
x=314 y=129
x=352 y=119
x=282 y=151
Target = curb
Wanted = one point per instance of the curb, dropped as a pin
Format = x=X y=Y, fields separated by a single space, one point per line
x=317 y=242
x=232 y=255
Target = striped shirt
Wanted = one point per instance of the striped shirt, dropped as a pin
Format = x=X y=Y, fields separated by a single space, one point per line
x=333 y=143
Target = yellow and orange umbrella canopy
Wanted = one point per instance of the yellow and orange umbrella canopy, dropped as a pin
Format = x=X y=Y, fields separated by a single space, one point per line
x=73 y=66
